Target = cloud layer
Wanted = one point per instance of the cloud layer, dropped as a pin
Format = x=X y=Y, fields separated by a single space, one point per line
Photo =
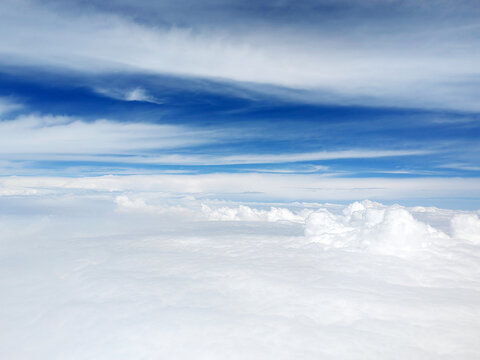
x=69 y=139
x=417 y=59
x=262 y=187
x=129 y=274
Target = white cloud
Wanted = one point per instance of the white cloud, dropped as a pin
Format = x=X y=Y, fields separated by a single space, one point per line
x=82 y=278
x=246 y=213
x=423 y=68
x=467 y=227
x=7 y=105
x=460 y=166
x=135 y=94
x=371 y=226
x=259 y=187
x=63 y=138
x=318 y=155
x=139 y=94
x=61 y=135
x=239 y=159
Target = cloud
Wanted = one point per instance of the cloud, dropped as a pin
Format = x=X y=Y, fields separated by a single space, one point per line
x=63 y=135
x=365 y=226
x=81 y=279
x=467 y=227
x=70 y=139
x=319 y=155
x=8 y=105
x=414 y=64
x=373 y=227
x=135 y=94
x=266 y=187
x=240 y=159
x=246 y=213
x=462 y=166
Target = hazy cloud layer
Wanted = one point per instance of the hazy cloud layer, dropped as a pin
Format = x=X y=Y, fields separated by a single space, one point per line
x=263 y=187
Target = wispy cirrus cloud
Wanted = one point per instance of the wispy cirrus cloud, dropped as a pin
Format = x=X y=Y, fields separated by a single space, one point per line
x=30 y=134
x=412 y=62
x=8 y=105
x=70 y=139
x=461 y=166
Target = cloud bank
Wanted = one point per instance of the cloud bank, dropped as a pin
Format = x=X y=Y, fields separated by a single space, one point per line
x=259 y=187
x=148 y=274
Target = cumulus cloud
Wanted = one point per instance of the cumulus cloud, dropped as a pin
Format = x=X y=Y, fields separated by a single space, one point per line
x=389 y=230
x=246 y=213
x=365 y=226
x=467 y=227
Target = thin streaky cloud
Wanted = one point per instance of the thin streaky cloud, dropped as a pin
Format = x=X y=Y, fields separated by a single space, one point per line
x=205 y=160
x=422 y=67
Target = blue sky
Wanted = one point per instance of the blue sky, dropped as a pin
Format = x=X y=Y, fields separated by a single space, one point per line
x=346 y=89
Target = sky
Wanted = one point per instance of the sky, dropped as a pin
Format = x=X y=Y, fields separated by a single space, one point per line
x=324 y=89
x=237 y=179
